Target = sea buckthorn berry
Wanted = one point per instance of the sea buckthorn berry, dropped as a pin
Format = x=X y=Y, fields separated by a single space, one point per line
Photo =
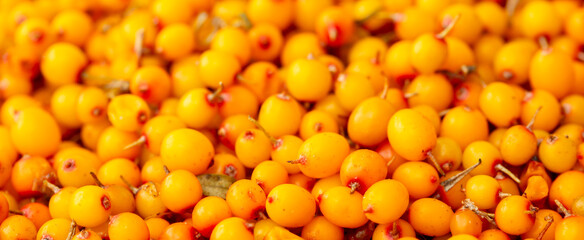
x=515 y=215
x=91 y=105
x=246 y=199
x=62 y=64
x=56 y=228
x=198 y=107
x=90 y=199
x=385 y=201
x=290 y=205
x=252 y=147
x=39 y=123
x=368 y=49
x=465 y=222
x=549 y=115
x=306 y=12
x=112 y=172
x=428 y=53
x=321 y=228
x=278 y=232
x=266 y=42
x=122 y=198
x=149 y=201
x=573 y=23
x=128 y=225
x=177 y=147
x=533 y=26
x=227 y=164
x=156 y=227
x=317 y=121
x=17 y=227
x=262 y=227
x=545 y=224
x=432 y=90
x=351 y=89
x=373 y=71
x=308 y=80
x=414 y=22
x=175 y=41
x=438 y=225
x=13 y=105
x=280 y=115
x=73 y=166
x=35 y=34
x=333 y=27
x=263 y=79
x=157 y=128
x=232 y=127
x=569 y=228
x=518 y=145
x=398 y=62
x=112 y=142
x=324 y=184
x=38 y=213
x=233 y=41
x=64 y=102
x=469 y=26
x=208 y=212
x=400 y=229
x=486 y=48
x=59 y=202
x=492 y=16
x=361 y=169
x=411 y=134
x=232 y=228
x=420 y=178
x=322 y=155
x=493 y=234
x=547 y=60
x=269 y=174
x=343 y=208
x=496 y=97
x=512 y=60
x=301 y=45
x=72 y=26
x=456 y=194
x=168 y=12
x=28 y=174
x=286 y=148
x=128 y=112
x=151 y=83
x=261 y=11
x=558 y=154
x=459 y=57
x=448 y=154
x=484 y=191
x=152 y=170
x=571 y=131
x=180 y=190
x=368 y=121
x=302 y=180
x=571 y=106
x=489 y=155
x=238 y=99
x=178 y=230
x=216 y=67
x=565 y=188
x=87 y=234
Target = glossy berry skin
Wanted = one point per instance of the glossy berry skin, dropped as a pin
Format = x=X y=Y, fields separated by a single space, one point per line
x=208 y=212
x=128 y=225
x=90 y=199
x=290 y=205
x=180 y=190
x=570 y=228
x=277 y=108
x=176 y=150
x=17 y=226
x=385 y=201
x=56 y=57
x=513 y=215
x=411 y=135
x=333 y=27
x=420 y=178
x=322 y=154
x=35 y=122
x=232 y=228
x=321 y=228
x=558 y=154
x=438 y=225
x=245 y=199
x=361 y=169
x=308 y=80
x=343 y=208
x=368 y=121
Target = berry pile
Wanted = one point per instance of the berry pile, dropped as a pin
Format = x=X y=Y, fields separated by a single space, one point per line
x=292 y=119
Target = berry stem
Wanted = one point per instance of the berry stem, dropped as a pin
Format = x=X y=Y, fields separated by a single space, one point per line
x=532 y=121
x=166 y=170
x=261 y=128
x=468 y=204
x=549 y=219
x=216 y=95
x=138 y=142
x=354 y=185
x=409 y=95
x=562 y=209
x=511 y=6
x=505 y=170
x=448 y=28
x=449 y=183
x=394 y=231
x=543 y=43
x=139 y=43
x=54 y=188
x=130 y=186
x=435 y=163
x=504 y=195
x=72 y=230
x=385 y=88
x=15 y=212
x=96 y=180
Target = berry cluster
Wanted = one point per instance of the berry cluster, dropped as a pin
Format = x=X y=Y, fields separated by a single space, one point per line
x=291 y=119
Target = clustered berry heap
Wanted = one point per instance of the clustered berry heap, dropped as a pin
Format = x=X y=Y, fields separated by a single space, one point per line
x=292 y=119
